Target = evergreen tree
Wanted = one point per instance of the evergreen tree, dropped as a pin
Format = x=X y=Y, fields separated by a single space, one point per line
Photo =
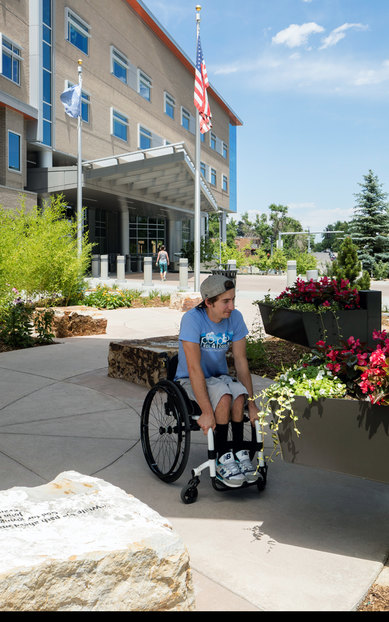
x=347 y=266
x=370 y=224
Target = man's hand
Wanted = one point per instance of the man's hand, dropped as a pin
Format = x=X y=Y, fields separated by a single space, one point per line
x=253 y=411
x=206 y=421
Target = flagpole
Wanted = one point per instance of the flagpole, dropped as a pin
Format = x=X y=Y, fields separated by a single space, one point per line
x=79 y=168
x=197 y=186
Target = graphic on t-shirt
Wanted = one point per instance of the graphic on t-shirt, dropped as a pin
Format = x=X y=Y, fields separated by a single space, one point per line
x=212 y=341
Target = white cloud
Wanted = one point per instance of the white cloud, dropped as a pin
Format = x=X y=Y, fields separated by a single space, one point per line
x=339 y=33
x=295 y=35
x=273 y=72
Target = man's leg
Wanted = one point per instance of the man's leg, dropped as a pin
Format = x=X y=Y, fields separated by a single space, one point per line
x=222 y=417
x=237 y=423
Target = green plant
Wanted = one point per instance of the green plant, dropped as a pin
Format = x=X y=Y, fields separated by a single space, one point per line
x=43 y=320
x=38 y=252
x=276 y=402
x=16 y=324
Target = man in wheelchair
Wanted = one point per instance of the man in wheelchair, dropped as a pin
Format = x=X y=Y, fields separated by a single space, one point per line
x=206 y=333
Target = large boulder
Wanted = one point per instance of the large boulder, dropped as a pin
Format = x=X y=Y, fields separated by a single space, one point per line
x=81 y=544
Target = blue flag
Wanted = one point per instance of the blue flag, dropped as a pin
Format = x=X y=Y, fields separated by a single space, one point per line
x=71 y=99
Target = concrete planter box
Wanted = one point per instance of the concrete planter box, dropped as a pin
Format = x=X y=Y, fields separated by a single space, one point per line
x=346 y=436
x=307 y=327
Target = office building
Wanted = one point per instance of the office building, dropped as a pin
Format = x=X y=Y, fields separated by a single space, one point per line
x=138 y=123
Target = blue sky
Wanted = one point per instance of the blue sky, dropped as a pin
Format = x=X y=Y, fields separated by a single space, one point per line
x=310 y=81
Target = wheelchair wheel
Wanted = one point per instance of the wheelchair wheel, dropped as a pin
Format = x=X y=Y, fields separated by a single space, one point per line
x=165 y=431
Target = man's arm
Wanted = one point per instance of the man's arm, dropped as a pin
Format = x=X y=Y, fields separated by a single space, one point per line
x=243 y=374
x=197 y=380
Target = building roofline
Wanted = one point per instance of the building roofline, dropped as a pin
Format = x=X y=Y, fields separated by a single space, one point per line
x=151 y=21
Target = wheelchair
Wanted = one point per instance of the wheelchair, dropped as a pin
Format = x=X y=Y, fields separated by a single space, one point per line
x=168 y=418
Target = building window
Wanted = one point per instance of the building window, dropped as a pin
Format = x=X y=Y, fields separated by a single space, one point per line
x=119 y=125
x=185 y=118
x=77 y=31
x=85 y=102
x=213 y=177
x=145 y=137
x=11 y=58
x=100 y=231
x=225 y=151
x=119 y=65
x=47 y=72
x=169 y=105
x=14 y=159
x=225 y=183
x=212 y=141
x=203 y=169
x=146 y=235
x=144 y=85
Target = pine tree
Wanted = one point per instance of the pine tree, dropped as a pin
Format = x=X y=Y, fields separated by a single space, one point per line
x=347 y=266
x=370 y=224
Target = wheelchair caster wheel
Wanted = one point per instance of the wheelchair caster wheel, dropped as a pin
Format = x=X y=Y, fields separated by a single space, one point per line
x=190 y=493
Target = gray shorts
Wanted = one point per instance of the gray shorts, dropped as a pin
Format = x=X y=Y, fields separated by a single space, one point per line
x=217 y=387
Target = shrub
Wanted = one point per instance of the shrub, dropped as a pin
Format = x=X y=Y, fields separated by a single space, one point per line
x=38 y=253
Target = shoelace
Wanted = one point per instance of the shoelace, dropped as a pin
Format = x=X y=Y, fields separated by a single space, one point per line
x=232 y=467
x=246 y=465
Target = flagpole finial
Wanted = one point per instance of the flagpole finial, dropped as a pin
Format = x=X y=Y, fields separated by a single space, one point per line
x=198 y=7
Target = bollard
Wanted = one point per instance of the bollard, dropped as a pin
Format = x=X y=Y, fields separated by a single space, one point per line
x=183 y=270
x=291 y=274
x=96 y=266
x=120 y=268
x=104 y=267
x=147 y=270
x=312 y=274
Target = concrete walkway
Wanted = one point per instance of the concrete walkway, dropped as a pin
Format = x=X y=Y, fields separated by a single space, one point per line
x=312 y=541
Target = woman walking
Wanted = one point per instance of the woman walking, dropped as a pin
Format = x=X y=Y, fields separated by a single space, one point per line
x=163 y=259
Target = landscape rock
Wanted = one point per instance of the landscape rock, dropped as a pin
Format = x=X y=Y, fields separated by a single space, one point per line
x=78 y=322
x=79 y=543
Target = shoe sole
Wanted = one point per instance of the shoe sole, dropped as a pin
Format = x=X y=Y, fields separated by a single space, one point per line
x=229 y=483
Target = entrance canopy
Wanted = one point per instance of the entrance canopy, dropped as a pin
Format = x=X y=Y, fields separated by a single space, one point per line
x=162 y=175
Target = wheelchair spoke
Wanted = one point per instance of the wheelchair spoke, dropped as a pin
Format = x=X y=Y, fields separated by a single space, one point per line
x=165 y=432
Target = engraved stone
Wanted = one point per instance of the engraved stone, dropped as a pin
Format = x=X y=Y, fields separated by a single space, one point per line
x=79 y=543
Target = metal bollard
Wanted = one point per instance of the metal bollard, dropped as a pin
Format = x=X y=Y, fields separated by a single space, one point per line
x=312 y=274
x=147 y=271
x=96 y=266
x=183 y=269
x=291 y=274
x=104 y=267
x=120 y=268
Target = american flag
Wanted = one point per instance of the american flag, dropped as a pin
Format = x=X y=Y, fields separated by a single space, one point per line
x=200 y=91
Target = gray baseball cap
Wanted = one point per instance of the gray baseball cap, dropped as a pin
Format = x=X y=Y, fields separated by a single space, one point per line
x=215 y=285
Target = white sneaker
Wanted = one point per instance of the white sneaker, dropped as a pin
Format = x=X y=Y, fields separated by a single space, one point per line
x=228 y=471
x=246 y=467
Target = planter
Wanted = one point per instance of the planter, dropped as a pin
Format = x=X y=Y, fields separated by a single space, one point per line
x=307 y=327
x=346 y=436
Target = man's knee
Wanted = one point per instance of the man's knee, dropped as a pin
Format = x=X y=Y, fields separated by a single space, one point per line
x=222 y=411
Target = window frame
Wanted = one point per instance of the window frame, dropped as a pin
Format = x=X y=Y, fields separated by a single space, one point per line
x=171 y=103
x=72 y=19
x=120 y=118
x=224 y=183
x=146 y=134
x=14 y=51
x=120 y=59
x=146 y=82
x=185 y=114
x=212 y=176
x=212 y=141
x=13 y=169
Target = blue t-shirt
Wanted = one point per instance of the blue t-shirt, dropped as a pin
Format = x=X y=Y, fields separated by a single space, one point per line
x=214 y=339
